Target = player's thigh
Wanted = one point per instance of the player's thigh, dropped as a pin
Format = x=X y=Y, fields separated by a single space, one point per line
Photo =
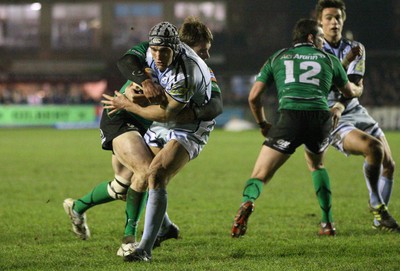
x=119 y=169
x=360 y=143
x=155 y=150
x=268 y=162
x=131 y=150
x=167 y=163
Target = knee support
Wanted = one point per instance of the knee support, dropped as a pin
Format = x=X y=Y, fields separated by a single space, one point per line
x=118 y=187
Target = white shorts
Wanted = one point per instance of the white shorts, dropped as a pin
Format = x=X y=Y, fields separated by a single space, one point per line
x=356 y=118
x=158 y=136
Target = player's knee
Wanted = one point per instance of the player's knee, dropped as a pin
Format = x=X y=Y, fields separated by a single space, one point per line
x=316 y=167
x=118 y=187
x=139 y=183
x=375 y=148
x=389 y=167
x=157 y=178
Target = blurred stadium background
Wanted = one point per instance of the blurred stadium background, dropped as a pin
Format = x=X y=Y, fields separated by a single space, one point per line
x=58 y=57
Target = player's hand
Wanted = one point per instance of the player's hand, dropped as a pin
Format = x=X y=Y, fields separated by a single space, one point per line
x=140 y=99
x=133 y=89
x=134 y=93
x=336 y=115
x=153 y=92
x=265 y=129
x=118 y=102
x=354 y=53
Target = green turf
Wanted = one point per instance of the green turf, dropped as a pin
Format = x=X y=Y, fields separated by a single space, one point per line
x=41 y=167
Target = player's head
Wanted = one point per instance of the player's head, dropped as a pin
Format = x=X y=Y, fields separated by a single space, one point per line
x=331 y=14
x=197 y=35
x=164 y=34
x=308 y=31
x=164 y=44
x=324 y=4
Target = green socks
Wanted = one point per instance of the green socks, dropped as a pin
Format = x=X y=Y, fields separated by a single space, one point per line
x=252 y=190
x=323 y=191
x=98 y=195
x=135 y=203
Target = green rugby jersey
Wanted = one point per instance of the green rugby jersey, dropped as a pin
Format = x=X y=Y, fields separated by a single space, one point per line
x=140 y=51
x=303 y=76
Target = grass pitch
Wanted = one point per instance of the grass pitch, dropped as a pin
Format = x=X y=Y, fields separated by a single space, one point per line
x=41 y=167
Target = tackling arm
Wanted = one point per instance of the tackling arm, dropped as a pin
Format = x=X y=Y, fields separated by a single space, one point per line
x=154 y=112
x=206 y=112
x=132 y=69
x=351 y=90
x=210 y=110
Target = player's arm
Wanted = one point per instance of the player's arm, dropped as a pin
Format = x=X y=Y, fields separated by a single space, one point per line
x=161 y=113
x=341 y=81
x=206 y=112
x=133 y=67
x=337 y=110
x=212 y=109
x=351 y=90
x=355 y=52
x=134 y=93
x=257 y=108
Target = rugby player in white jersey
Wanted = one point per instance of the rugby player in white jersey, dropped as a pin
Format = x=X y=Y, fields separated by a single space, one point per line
x=357 y=132
x=186 y=80
x=198 y=36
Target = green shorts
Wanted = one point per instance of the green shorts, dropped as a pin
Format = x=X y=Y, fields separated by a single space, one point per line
x=117 y=124
x=297 y=127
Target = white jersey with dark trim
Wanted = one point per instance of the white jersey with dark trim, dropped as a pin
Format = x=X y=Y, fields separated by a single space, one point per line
x=356 y=67
x=188 y=81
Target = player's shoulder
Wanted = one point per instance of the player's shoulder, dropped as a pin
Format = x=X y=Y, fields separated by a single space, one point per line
x=188 y=53
x=139 y=49
x=189 y=57
x=276 y=55
x=192 y=64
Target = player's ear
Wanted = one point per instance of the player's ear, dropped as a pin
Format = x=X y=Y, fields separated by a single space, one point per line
x=310 y=38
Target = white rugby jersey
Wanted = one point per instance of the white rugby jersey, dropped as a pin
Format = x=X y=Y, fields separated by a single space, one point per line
x=187 y=80
x=355 y=67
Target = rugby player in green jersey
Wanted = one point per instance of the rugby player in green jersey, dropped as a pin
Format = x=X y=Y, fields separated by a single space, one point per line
x=303 y=75
x=199 y=37
x=357 y=133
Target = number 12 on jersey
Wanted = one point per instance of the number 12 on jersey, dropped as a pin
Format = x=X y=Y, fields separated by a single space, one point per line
x=308 y=70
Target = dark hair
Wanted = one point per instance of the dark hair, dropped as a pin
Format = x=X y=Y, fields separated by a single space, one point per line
x=303 y=28
x=323 y=4
x=193 y=31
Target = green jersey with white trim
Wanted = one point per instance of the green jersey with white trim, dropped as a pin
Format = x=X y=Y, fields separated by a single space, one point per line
x=303 y=76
